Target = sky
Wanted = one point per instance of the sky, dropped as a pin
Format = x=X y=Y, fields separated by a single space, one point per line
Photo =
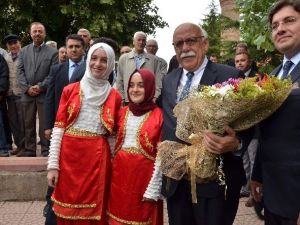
x=175 y=12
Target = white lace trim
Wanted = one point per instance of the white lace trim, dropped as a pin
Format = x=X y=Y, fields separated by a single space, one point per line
x=132 y=126
x=54 y=150
x=154 y=187
x=89 y=118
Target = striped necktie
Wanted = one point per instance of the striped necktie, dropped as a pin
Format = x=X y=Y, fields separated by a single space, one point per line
x=286 y=68
x=186 y=89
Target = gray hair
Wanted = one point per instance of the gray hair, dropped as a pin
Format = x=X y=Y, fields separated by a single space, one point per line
x=84 y=30
x=139 y=33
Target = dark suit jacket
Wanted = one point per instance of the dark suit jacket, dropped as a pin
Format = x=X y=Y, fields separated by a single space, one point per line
x=58 y=79
x=30 y=73
x=78 y=73
x=3 y=76
x=277 y=163
x=213 y=73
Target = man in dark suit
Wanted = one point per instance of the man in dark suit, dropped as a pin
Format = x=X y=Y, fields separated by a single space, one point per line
x=190 y=43
x=276 y=172
x=34 y=65
x=60 y=76
x=243 y=62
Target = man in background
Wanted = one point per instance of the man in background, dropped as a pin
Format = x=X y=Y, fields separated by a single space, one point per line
x=137 y=59
x=34 y=65
x=13 y=98
x=86 y=35
x=62 y=54
x=125 y=49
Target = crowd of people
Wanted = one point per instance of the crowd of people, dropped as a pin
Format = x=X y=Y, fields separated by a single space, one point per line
x=100 y=125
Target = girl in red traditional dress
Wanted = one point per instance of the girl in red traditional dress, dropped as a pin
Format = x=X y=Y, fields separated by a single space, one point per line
x=79 y=160
x=136 y=178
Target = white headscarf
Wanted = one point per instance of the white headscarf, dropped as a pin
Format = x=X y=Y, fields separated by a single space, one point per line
x=96 y=90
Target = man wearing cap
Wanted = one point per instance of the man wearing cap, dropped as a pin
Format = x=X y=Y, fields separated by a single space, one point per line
x=32 y=71
x=13 y=98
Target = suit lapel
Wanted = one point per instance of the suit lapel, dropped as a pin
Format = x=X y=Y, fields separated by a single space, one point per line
x=209 y=75
x=131 y=63
x=296 y=73
x=276 y=70
x=174 y=82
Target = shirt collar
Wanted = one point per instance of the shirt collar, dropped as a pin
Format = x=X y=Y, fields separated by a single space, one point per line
x=71 y=63
x=40 y=45
x=295 y=59
x=202 y=67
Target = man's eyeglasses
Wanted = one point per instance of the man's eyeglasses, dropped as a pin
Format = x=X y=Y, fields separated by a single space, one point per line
x=287 y=21
x=189 y=41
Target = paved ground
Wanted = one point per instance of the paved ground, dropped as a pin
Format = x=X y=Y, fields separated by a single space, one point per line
x=30 y=213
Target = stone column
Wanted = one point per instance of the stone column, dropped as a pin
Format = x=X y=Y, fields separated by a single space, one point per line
x=229 y=9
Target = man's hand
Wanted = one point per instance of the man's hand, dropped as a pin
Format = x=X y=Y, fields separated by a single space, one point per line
x=33 y=91
x=36 y=88
x=48 y=133
x=220 y=144
x=298 y=221
x=256 y=190
x=52 y=177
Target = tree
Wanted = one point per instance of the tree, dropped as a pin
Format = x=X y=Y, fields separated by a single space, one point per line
x=212 y=25
x=255 y=31
x=117 y=19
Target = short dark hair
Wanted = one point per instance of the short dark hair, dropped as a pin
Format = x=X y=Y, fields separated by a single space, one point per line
x=242 y=45
x=112 y=43
x=282 y=3
x=75 y=37
x=242 y=53
x=36 y=23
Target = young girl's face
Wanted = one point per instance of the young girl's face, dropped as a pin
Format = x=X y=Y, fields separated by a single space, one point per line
x=98 y=63
x=136 y=89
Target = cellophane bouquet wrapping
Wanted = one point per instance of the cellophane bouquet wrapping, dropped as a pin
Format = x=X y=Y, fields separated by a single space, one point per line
x=238 y=103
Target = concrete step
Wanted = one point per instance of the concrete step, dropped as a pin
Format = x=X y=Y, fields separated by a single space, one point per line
x=23 y=178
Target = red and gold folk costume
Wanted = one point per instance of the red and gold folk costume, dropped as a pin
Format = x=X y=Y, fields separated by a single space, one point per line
x=84 y=166
x=132 y=169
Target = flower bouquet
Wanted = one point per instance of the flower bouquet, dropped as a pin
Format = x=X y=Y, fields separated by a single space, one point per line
x=238 y=103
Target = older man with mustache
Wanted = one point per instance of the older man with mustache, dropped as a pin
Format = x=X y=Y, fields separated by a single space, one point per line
x=213 y=208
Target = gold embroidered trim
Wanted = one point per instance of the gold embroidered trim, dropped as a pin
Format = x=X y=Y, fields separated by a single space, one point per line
x=80 y=104
x=125 y=122
x=73 y=206
x=109 y=116
x=134 y=150
x=138 y=134
x=103 y=121
x=148 y=143
x=138 y=151
x=78 y=217
x=59 y=124
x=82 y=133
x=70 y=110
x=126 y=221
